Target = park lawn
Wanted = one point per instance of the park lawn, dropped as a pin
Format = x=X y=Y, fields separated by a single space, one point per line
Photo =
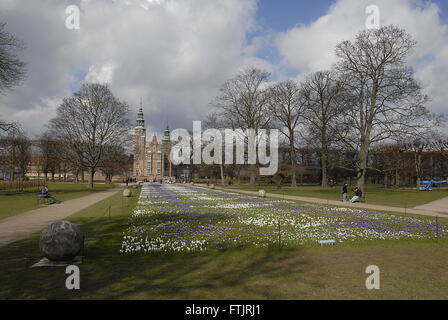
x=409 y=269
x=13 y=203
x=403 y=198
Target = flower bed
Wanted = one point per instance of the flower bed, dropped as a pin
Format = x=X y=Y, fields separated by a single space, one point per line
x=188 y=218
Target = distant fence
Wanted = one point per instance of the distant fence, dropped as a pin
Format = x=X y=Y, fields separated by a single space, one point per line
x=21 y=185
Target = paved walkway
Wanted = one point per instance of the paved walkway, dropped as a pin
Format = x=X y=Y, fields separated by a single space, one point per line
x=437 y=208
x=24 y=224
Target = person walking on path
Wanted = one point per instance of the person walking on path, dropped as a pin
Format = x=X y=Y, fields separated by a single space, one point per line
x=344 y=192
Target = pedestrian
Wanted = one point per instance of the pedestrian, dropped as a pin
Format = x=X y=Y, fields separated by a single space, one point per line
x=344 y=192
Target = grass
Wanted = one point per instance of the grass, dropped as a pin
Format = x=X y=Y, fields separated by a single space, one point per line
x=403 y=198
x=13 y=203
x=409 y=269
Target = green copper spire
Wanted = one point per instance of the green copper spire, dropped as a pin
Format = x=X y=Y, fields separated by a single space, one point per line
x=140 y=118
x=166 y=133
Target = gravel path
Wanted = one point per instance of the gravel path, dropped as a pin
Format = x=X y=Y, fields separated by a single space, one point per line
x=437 y=208
x=440 y=206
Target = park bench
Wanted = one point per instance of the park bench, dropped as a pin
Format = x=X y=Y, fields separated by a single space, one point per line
x=43 y=199
x=362 y=199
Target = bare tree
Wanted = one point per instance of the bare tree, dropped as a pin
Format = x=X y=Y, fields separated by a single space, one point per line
x=23 y=154
x=287 y=106
x=12 y=69
x=50 y=153
x=6 y=126
x=113 y=162
x=10 y=144
x=90 y=120
x=214 y=122
x=384 y=100
x=71 y=160
x=440 y=144
x=322 y=90
x=243 y=104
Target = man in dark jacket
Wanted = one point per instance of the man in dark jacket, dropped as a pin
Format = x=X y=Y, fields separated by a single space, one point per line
x=357 y=196
x=45 y=194
x=344 y=193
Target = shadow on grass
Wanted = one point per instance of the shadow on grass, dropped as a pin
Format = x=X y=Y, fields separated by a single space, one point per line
x=105 y=274
x=230 y=274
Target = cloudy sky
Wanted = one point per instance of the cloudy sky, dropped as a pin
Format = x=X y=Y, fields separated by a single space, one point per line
x=175 y=54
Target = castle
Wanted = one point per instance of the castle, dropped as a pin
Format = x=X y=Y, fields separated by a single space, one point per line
x=151 y=159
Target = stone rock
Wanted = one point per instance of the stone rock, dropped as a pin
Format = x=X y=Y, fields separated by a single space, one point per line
x=212 y=186
x=127 y=193
x=262 y=193
x=61 y=241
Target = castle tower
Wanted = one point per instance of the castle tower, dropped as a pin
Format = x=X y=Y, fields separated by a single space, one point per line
x=139 y=169
x=166 y=152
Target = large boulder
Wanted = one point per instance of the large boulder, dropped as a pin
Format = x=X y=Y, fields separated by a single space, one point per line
x=61 y=241
x=262 y=193
x=127 y=193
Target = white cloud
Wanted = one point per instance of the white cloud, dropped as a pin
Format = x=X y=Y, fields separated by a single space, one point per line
x=103 y=74
x=175 y=54
x=310 y=48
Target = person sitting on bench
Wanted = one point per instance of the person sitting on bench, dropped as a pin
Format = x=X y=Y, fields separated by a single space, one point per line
x=357 y=196
x=45 y=194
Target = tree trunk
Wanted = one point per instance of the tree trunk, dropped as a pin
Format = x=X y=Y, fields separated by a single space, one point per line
x=397 y=179
x=221 y=166
x=239 y=175
x=361 y=174
x=323 y=157
x=324 y=170
x=13 y=165
x=418 y=159
x=292 y=155
x=252 y=169
x=92 y=172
